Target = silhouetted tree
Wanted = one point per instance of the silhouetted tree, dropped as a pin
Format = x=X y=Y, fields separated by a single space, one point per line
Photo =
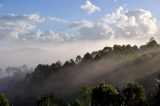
x=150 y=45
x=78 y=59
x=56 y=66
x=117 y=48
x=87 y=57
x=69 y=63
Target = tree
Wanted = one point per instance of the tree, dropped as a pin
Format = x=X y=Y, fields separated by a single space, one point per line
x=78 y=103
x=134 y=94
x=69 y=63
x=49 y=101
x=135 y=48
x=78 y=59
x=85 y=95
x=87 y=57
x=117 y=48
x=150 y=45
x=4 y=101
x=56 y=66
x=104 y=95
x=106 y=49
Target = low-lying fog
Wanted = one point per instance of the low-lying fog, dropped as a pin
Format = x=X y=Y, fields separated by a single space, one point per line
x=32 y=54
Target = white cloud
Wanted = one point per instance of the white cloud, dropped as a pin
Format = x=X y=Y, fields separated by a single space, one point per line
x=120 y=24
x=14 y=26
x=57 y=20
x=134 y=24
x=139 y=23
x=23 y=27
x=81 y=24
x=89 y=7
x=52 y=36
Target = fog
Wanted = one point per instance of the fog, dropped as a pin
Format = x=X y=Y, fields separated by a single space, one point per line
x=34 y=53
x=118 y=73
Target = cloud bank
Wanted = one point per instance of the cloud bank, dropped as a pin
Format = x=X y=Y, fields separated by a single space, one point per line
x=134 y=24
x=120 y=24
x=16 y=26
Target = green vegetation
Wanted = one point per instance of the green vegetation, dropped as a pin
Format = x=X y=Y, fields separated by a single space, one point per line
x=4 y=101
x=49 y=101
x=104 y=94
x=133 y=94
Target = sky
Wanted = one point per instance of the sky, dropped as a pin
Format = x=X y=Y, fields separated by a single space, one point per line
x=45 y=31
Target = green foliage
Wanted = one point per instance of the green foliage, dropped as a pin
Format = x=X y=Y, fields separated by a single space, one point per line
x=79 y=103
x=134 y=94
x=4 y=101
x=104 y=95
x=85 y=95
x=49 y=101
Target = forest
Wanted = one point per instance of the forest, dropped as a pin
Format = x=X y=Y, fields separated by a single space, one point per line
x=122 y=75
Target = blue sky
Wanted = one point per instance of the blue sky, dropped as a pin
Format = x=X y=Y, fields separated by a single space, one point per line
x=70 y=9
